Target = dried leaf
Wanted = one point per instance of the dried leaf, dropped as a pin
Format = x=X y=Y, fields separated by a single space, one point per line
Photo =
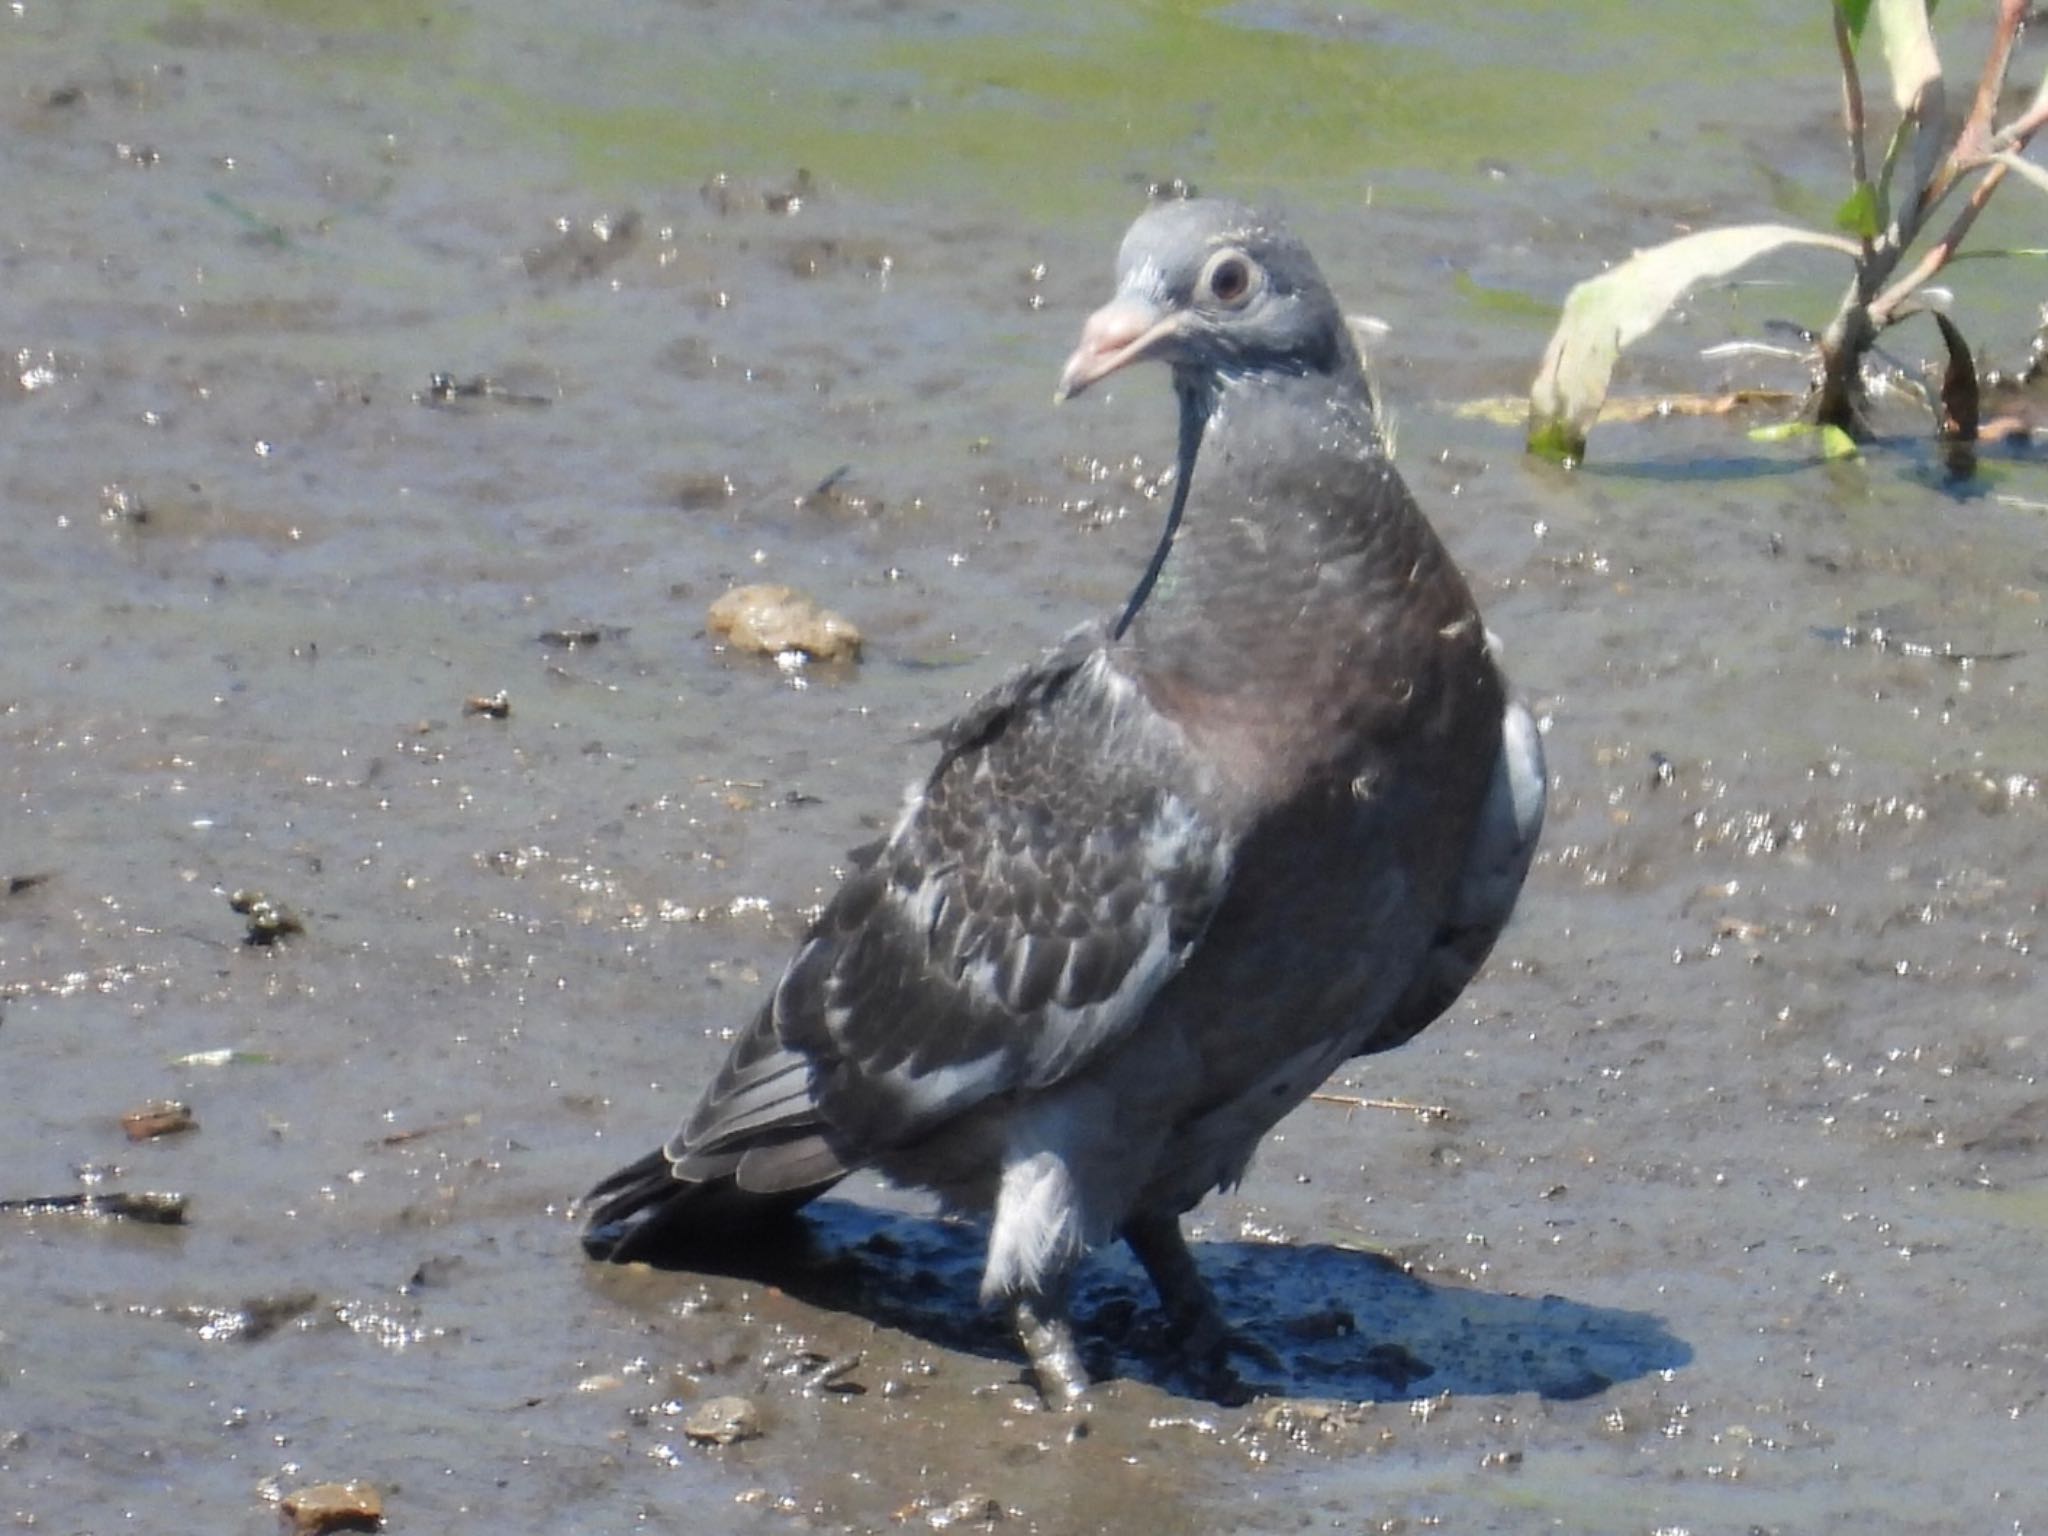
x=1908 y=39
x=1958 y=385
x=1604 y=314
x=1513 y=410
x=1917 y=93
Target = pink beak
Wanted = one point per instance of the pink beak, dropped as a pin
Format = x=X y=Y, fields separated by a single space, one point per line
x=1123 y=331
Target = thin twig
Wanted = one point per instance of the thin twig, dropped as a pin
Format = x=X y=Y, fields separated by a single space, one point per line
x=2027 y=124
x=1937 y=255
x=400 y=1138
x=1975 y=140
x=1897 y=142
x=1354 y=1101
x=2013 y=139
x=1852 y=97
x=1974 y=149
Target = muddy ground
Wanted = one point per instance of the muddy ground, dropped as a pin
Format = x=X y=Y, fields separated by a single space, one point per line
x=364 y=368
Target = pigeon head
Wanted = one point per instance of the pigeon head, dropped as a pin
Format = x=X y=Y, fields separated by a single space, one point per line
x=1216 y=290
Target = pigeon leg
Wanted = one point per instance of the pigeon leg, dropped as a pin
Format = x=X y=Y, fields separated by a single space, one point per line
x=1047 y=1334
x=1191 y=1311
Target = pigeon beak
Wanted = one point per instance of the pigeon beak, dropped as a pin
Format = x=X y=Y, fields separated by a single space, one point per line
x=1124 y=331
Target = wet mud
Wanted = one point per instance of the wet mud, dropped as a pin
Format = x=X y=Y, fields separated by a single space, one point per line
x=350 y=360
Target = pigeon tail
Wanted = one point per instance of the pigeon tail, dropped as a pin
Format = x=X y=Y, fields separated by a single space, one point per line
x=656 y=1210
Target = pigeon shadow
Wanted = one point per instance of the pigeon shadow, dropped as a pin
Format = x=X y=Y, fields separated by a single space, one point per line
x=1320 y=1321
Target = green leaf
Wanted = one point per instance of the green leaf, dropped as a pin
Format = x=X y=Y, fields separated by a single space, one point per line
x=1855 y=13
x=1834 y=442
x=1837 y=444
x=1858 y=216
x=1606 y=313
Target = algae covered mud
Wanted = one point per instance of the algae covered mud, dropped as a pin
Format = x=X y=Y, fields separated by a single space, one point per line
x=391 y=396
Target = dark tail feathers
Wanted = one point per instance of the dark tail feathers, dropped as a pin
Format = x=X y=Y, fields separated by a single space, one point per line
x=710 y=1211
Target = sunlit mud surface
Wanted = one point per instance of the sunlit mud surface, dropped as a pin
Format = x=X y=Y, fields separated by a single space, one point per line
x=388 y=398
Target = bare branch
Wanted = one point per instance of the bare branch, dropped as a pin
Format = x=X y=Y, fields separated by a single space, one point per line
x=1853 y=123
x=1987 y=156
x=1885 y=306
x=1975 y=139
x=2022 y=128
x=2023 y=168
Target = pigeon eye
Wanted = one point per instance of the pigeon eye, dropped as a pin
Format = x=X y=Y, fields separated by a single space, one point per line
x=1230 y=278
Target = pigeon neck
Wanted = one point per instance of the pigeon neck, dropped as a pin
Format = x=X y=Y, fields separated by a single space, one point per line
x=1243 y=416
x=1302 y=604
x=1289 y=524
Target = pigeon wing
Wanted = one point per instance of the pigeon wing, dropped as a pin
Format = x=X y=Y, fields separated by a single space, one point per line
x=1496 y=864
x=1044 y=882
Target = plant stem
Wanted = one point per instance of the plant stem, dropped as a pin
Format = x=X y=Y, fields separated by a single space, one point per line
x=1886 y=304
x=1852 y=97
x=1838 y=403
x=1974 y=139
x=2022 y=128
x=1971 y=152
x=2015 y=138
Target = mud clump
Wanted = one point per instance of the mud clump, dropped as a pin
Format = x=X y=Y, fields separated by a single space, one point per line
x=771 y=620
x=723 y=1421
x=268 y=920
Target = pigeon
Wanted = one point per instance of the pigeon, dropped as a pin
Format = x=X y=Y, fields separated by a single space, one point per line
x=1270 y=816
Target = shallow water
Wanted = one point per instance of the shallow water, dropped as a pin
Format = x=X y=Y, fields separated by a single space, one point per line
x=1739 y=1215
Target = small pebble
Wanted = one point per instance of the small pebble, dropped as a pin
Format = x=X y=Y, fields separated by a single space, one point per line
x=159 y=1117
x=268 y=921
x=968 y=1509
x=723 y=1421
x=322 y=1507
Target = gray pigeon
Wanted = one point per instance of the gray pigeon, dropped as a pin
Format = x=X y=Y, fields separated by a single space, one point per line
x=1161 y=883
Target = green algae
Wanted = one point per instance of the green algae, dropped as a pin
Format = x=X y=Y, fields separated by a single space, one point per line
x=1059 y=109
